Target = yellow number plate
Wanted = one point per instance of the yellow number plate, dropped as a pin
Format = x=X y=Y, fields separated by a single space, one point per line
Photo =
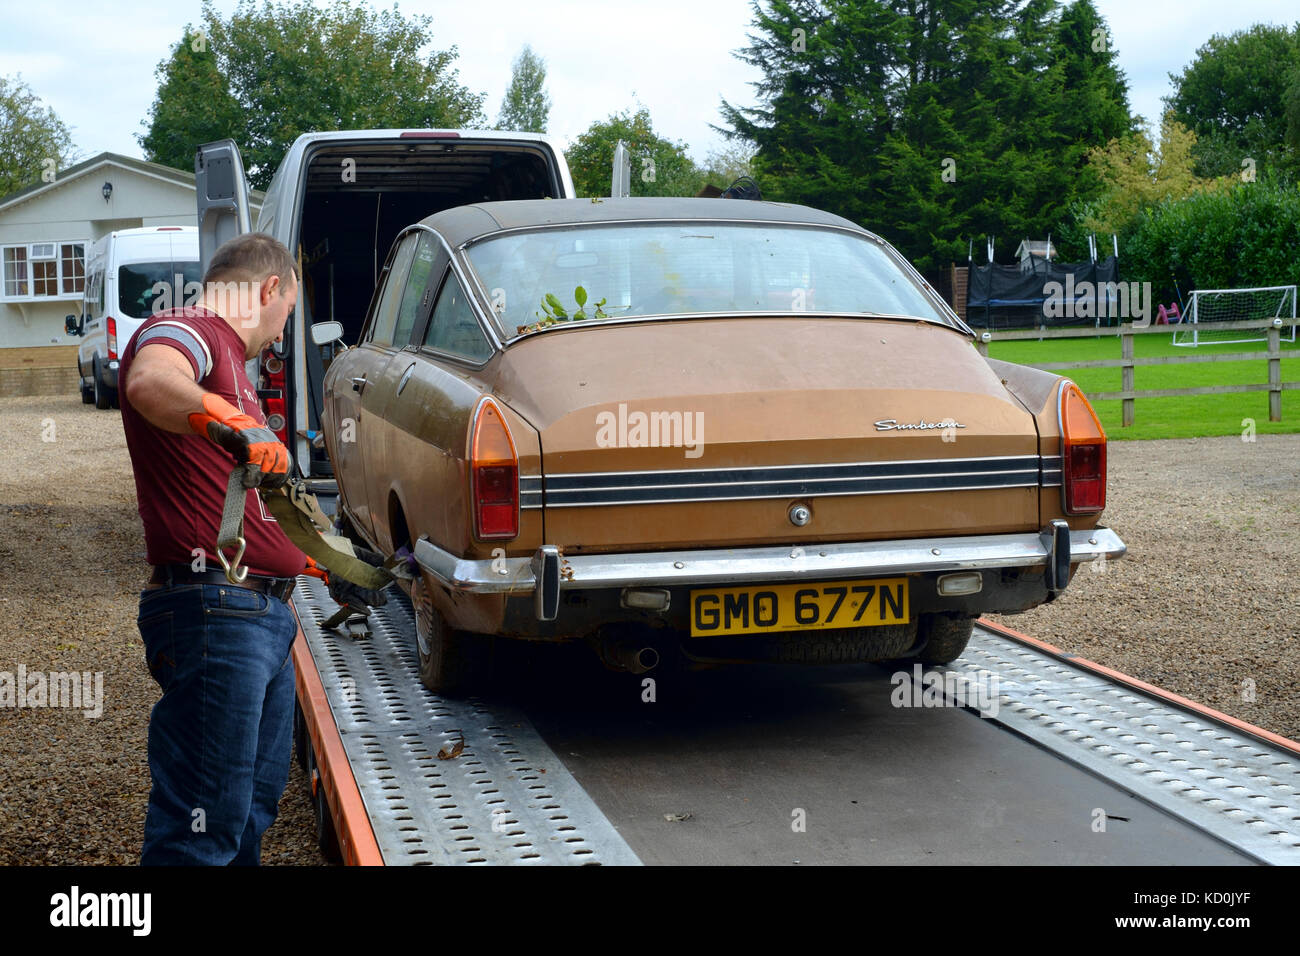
x=799 y=607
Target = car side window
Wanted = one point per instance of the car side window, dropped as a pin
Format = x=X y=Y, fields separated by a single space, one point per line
x=417 y=287
x=453 y=327
x=385 y=317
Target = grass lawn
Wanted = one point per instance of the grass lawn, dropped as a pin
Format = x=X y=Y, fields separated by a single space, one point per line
x=1189 y=416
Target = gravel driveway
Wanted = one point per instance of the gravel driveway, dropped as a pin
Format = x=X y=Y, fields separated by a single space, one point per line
x=1205 y=605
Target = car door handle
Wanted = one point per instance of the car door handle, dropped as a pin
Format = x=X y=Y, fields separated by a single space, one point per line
x=358 y=383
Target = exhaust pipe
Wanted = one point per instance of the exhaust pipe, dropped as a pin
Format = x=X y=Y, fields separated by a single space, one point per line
x=626 y=656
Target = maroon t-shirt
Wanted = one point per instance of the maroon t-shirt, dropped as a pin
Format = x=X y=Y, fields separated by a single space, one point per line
x=180 y=480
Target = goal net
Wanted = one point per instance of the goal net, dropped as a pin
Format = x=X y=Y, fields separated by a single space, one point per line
x=1208 y=308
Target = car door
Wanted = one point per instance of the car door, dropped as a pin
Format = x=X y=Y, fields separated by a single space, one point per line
x=381 y=440
x=428 y=418
x=356 y=406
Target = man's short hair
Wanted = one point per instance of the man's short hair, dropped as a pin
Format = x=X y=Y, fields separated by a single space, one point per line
x=250 y=257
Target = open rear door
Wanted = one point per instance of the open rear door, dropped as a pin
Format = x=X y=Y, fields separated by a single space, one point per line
x=222 y=194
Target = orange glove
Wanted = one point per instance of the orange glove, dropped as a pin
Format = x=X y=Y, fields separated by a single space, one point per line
x=315 y=570
x=250 y=443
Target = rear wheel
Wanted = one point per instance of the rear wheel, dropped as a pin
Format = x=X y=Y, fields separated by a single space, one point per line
x=448 y=657
x=946 y=637
x=103 y=399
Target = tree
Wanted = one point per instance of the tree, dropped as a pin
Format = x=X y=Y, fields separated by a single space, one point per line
x=526 y=104
x=34 y=142
x=724 y=166
x=193 y=105
x=930 y=121
x=660 y=167
x=1136 y=174
x=1241 y=96
x=293 y=68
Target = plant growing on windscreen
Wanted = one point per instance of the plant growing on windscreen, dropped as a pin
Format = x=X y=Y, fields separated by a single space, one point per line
x=553 y=310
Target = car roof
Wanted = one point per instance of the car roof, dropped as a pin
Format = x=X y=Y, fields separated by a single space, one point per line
x=463 y=223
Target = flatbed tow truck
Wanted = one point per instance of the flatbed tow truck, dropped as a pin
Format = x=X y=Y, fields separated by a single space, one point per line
x=1016 y=753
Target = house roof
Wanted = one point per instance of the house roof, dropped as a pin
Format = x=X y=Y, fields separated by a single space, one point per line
x=178 y=177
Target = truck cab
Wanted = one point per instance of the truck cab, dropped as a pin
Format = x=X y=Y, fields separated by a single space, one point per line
x=337 y=201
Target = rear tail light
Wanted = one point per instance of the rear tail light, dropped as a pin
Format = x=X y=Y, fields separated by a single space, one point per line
x=494 y=475
x=111 y=324
x=1083 y=470
x=273 y=381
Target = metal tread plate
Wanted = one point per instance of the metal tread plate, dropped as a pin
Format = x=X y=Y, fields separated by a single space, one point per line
x=1234 y=786
x=505 y=798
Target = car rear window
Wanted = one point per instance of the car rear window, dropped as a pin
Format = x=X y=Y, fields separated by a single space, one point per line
x=682 y=268
x=141 y=286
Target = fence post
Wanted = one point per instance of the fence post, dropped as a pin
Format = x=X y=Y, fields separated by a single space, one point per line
x=1275 y=372
x=1126 y=371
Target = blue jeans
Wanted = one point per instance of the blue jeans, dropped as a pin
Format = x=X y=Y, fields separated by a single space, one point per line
x=220 y=739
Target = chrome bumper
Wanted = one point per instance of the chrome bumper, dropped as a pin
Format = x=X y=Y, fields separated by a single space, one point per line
x=741 y=565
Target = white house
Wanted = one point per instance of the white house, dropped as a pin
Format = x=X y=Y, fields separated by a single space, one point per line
x=44 y=231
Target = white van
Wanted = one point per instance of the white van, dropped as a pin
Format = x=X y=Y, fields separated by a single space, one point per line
x=123 y=274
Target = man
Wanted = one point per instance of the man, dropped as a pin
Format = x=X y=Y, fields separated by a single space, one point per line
x=220 y=737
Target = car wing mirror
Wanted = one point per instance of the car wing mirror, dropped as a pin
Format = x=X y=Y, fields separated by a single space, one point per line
x=323 y=333
x=72 y=324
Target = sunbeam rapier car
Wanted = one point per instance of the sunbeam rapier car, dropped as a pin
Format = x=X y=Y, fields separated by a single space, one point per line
x=722 y=429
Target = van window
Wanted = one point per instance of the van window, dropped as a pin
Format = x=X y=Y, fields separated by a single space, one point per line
x=144 y=288
x=416 y=285
x=94 y=302
x=385 y=319
x=453 y=327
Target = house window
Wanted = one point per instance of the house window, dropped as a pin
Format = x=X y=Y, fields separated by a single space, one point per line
x=17 y=283
x=72 y=261
x=44 y=270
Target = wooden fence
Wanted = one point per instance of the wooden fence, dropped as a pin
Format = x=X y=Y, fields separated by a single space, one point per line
x=1126 y=363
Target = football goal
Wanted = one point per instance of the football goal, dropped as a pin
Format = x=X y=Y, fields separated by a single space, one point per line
x=1208 y=308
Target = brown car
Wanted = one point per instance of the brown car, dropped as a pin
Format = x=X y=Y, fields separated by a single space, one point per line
x=726 y=429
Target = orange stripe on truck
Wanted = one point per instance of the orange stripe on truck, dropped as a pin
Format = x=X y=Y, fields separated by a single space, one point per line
x=356 y=838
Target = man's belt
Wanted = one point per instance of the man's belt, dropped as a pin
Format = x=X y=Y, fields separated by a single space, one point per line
x=176 y=575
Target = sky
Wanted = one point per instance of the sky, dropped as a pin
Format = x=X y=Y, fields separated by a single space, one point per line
x=94 y=64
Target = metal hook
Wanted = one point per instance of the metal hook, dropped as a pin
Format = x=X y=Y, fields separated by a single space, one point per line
x=234 y=573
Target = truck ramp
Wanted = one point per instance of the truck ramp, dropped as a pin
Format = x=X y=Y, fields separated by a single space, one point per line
x=445 y=781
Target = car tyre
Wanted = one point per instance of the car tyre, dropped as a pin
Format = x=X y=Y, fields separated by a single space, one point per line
x=446 y=655
x=87 y=391
x=102 y=399
x=946 y=637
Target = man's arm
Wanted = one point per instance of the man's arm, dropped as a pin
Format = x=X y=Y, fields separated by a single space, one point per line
x=160 y=386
